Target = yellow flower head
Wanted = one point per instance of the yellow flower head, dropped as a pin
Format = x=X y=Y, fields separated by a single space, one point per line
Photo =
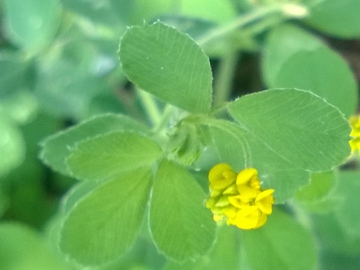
x=221 y=176
x=355 y=133
x=238 y=197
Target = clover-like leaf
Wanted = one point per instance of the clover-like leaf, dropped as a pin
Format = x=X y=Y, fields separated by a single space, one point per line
x=107 y=156
x=180 y=224
x=169 y=65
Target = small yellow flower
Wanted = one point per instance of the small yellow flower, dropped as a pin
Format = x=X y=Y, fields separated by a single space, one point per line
x=355 y=125
x=221 y=176
x=238 y=197
x=355 y=133
x=265 y=200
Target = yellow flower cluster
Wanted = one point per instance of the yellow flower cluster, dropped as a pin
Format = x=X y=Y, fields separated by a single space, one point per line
x=355 y=133
x=238 y=197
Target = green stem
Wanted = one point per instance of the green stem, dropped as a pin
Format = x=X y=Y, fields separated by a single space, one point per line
x=225 y=73
x=262 y=25
x=286 y=10
x=167 y=113
x=149 y=103
x=239 y=22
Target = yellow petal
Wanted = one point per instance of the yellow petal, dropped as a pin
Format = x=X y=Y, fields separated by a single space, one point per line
x=355 y=144
x=244 y=176
x=254 y=183
x=261 y=221
x=231 y=190
x=248 y=193
x=247 y=218
x=237 y=201
x=265 y=194
x=221 y=176
x=355 y=125
x=265 y=200
x=215 y=193
x=230 y=211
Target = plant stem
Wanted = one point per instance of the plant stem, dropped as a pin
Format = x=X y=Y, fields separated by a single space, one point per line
x=225 y=73
x=286 y=10
x=168 y=112
x=149 y=103
x=239 y=22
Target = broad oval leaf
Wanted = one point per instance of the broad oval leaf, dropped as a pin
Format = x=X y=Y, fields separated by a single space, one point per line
x=32 y=24
x=334 y=17
x=280 y=244
x=169 y=65
x=230 y=149
x=297 y=125
x=319 y=196
x=321 y=184
x=281 y=43
x=105 y=222
x=223 y=255
x=56 y=148
x=13 y=73
x=296 y=59
x=347 y=210
x=180 y=224
x=23 y=248
x=334 y=238
x=107 y=156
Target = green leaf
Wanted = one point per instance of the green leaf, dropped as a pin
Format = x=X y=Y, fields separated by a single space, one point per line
x=22 y=248
x=106 y=156
x=112 y=13
x=56 y=148
x=65 y=88
x=224 y=254
x=280 y=244
x=12 y=147
x=181 y=226
x=21 y=106
x=168 y=64
x=334 y=17
x=323 y=72
x=297 y=125
x=321 y=184
x=241 y=149
x=332 y=236
x=319 y=196
x=349 y=189
x=105 y=222
x=32 y=24
x=76 y=193
x=281 y=44
x=213 y=10
x=12 y=72
x=296 y=59
x=229 y=147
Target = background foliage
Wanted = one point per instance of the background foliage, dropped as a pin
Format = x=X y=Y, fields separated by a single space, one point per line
x=112 y=113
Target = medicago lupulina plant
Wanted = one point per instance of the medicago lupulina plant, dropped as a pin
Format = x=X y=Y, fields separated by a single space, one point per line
x=254 y=163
